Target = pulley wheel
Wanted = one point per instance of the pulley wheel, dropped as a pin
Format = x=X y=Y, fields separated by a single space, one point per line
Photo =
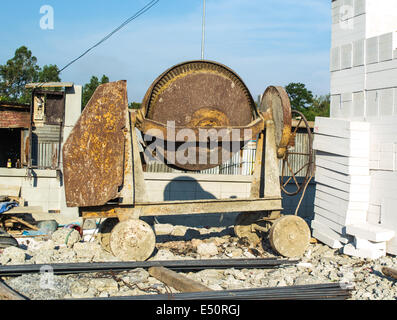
x=243 y=227
x=290 y=236
x=132 y=240
x=105 y=229
x=276 y=101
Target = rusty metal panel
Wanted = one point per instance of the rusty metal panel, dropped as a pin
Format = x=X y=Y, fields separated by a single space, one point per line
x=93 y=155
x=55 y=108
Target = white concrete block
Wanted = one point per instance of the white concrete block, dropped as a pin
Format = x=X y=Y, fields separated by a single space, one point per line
x=341 y=146
x=341 y=133
x=359 y=7
x=334 y=244
x=372 y=50
x=381 y=66
x=386 y=103
x=359 y=104
x=325 y=230
x=374 y=209
x=381 y=79
x=373 y=218
x=387 y=161
x=391 y=247
x=386 y=47
x=374 y=164
x=335 y=105
x=351 y=217
x=350 y=250
x=340 y=228
x=350 y=170
x=360 y=243
x=348 y=196
x=370 y=232
x=374 y=147
x=394 y=101
x=372 y=108
x=342 y=124
x=348 y=80
x=347 y=161
x=388 y=212
x=347 y=183
x=335 y=59
x=387 y=147
x=337 y=204
x=346 y=56
x=381 y=189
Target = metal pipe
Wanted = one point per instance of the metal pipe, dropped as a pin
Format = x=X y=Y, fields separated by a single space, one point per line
x=180 y=265
x=309 y=292
x=203 y=33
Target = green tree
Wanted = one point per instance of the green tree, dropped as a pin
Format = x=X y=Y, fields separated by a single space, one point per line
x=21 y=70
x=49 y=73
x=135 y=105
x=319 y=108
x=301 y=98
x=89 y=88
x=16 y=73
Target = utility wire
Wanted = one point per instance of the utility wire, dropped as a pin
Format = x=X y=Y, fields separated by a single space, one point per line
x=136 y=15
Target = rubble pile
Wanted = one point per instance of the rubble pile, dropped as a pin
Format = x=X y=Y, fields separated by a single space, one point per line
x=320 y=264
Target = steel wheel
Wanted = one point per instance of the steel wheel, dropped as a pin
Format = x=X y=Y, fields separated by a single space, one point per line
x=304 y=158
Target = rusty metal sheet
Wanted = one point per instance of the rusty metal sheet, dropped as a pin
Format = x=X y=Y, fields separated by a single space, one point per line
x=55 y=108
x=93 y=155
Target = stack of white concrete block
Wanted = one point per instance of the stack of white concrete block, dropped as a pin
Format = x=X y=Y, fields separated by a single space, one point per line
x=342 y=176
x=343 y=189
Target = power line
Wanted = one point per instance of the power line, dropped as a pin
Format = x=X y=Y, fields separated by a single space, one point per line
x=136 y=15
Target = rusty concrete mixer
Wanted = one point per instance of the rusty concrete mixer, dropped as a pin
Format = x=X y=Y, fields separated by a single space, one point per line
x=200 y=113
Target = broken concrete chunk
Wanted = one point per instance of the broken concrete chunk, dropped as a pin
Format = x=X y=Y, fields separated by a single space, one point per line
x=163 y=229
x=207 y=249
x=13 y=256
x=66 y=236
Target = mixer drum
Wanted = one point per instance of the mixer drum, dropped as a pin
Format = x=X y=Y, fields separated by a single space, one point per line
x=198 y=94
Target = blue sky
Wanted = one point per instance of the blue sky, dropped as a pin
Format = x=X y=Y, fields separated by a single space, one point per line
x=267 y=42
